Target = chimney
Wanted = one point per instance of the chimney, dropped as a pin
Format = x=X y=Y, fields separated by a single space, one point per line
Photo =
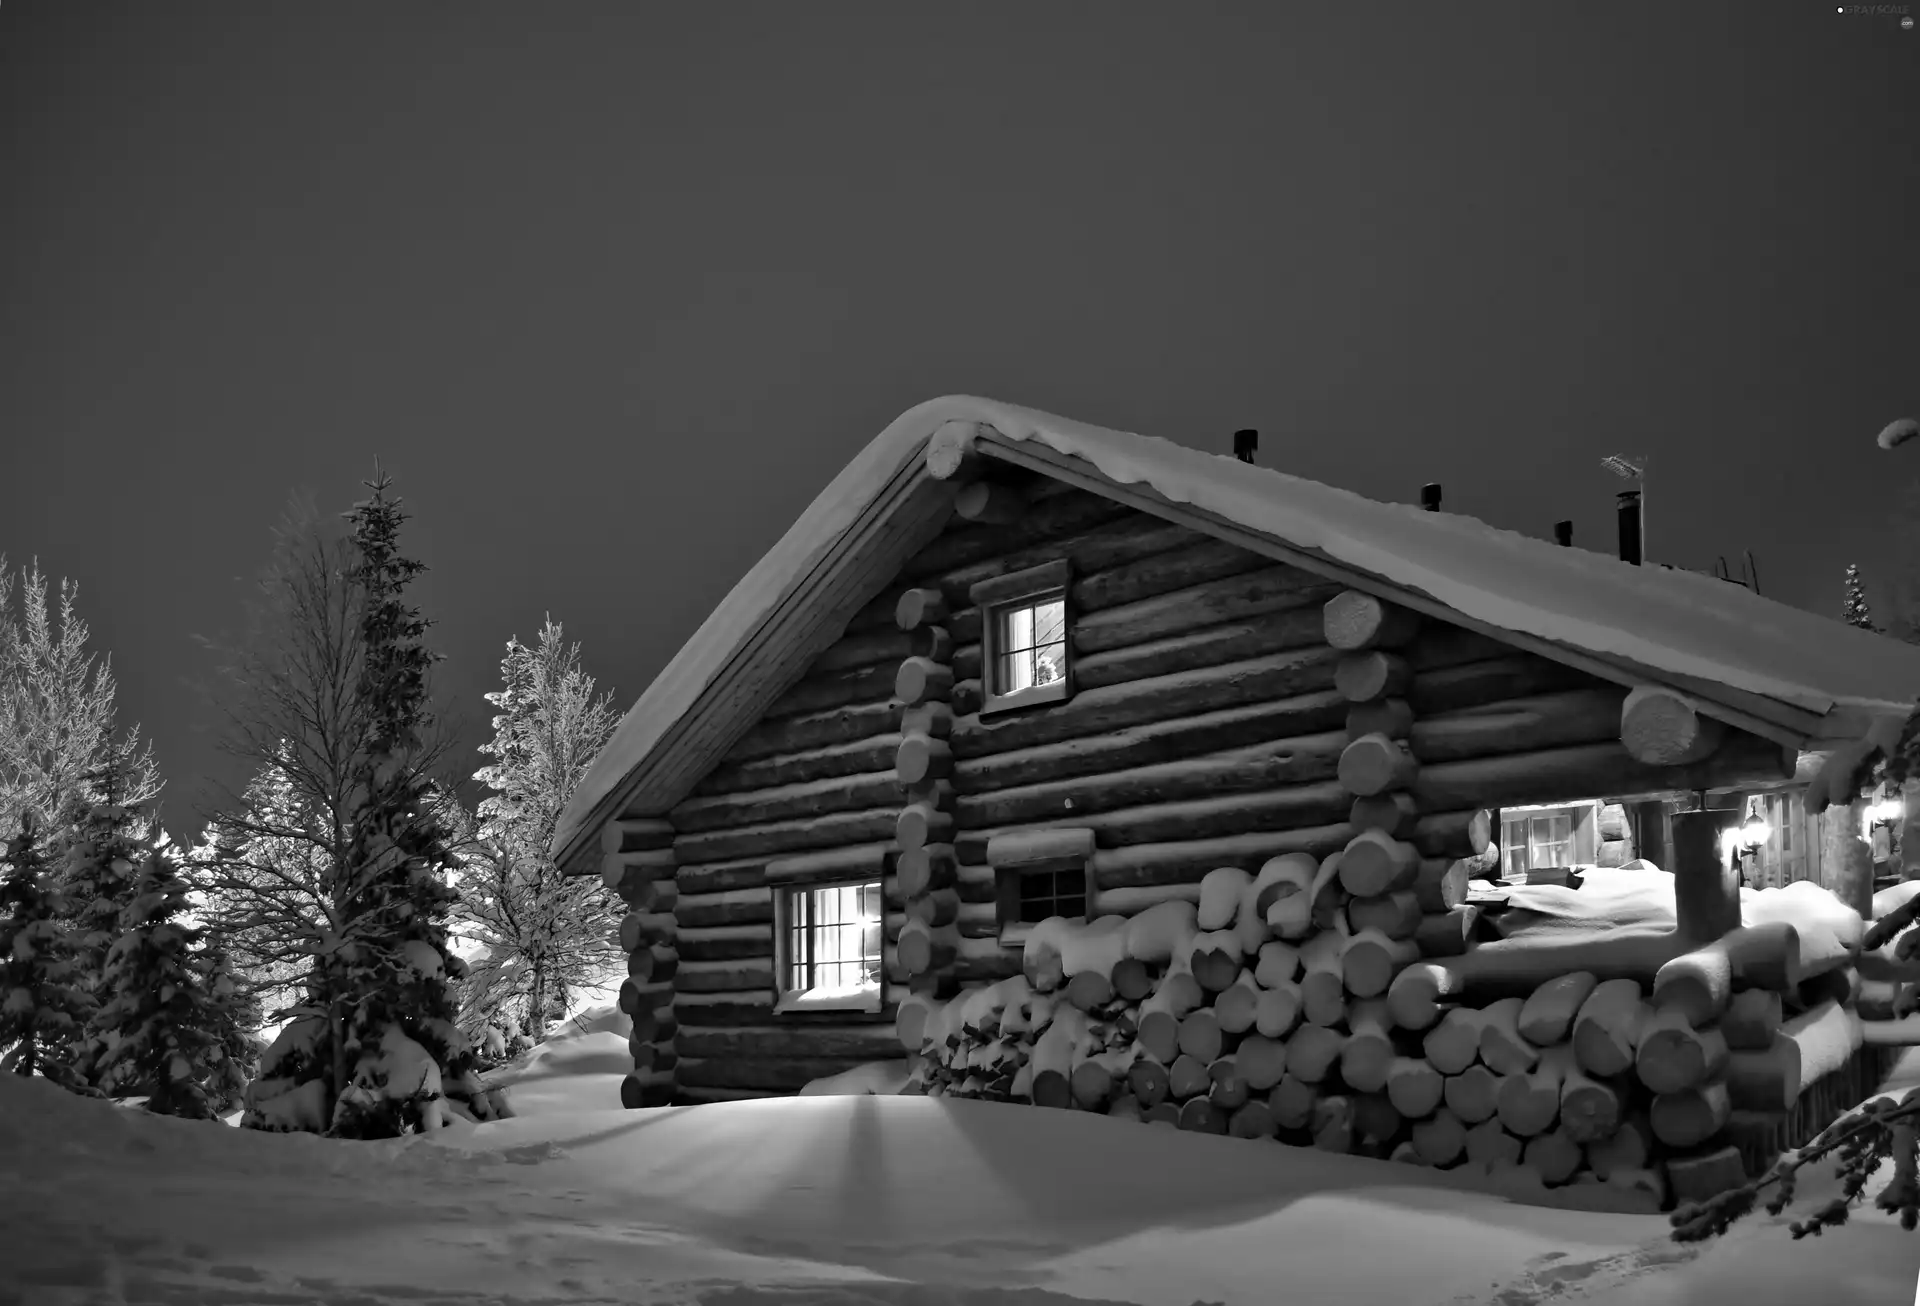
x=1244 y=443
x=1563 y=532
x=1630 y=526
x=1430 y=496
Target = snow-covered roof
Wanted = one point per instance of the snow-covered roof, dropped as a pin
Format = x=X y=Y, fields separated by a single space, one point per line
x=1692 y=627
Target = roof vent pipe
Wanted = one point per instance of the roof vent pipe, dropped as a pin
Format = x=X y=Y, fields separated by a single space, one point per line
x=1630 y=526
x=1430 y=496
x=1563 y=532
x=1244 y=443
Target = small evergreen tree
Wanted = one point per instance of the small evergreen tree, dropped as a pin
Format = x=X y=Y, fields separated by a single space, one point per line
x=43 y=1004
x=161 y=1029
x=103 y=855
x=1855 y=609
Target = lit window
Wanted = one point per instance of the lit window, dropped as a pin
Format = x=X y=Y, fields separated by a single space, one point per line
x=1537 y=842
x=1032 y=645
x=830 y=946
x=1025 y=653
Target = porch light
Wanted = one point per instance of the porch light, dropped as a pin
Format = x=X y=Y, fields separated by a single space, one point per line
x=1886 y=811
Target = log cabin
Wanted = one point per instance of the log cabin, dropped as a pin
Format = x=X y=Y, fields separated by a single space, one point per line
x=1010 y=667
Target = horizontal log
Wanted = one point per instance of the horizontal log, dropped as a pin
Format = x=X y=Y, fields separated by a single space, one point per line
x=924 y=606
x=866 y=754
x=964 y=554
x=653 y=965
x=635 y=1093
x=865 y=650
x=784 y=1074
x=622 y=871
x=648 y=896
x=634 y=835
x=1353 y=620
x=653 y=1024
x=1663 y=728
x=638 y=929
x=736 y=907
x=1176 y=862
x=1163 y=573
x=1201 y=648
x=1440 y=884
x=1289 y=722
x=1496 y=680
x=922 y=680
x=810 y=799
x=723 y=1010
x=1373 y=764
x=1454 y=835
x=823 y=691
x=1288 y=597
x=924 y=821
x=1578 y=716
x=1372 y=675
x=1139 y=702
x=817 y=730
x=924 y=869
x=865 y=861
x=989 y=503
x=1393 y=812
x=724 y=943
x=867 y=1041
x=1275 y=767
x=1380 y=716
x=1440 y=644
x=920 y=760
x=746 y=975
x=1203 y=819
x=719 y=877
x=781 y=838
x=1558 y=773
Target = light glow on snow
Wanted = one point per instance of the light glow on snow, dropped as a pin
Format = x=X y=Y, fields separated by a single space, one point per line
x=826 y=1200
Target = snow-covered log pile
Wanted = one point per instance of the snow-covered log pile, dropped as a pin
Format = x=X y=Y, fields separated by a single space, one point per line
x=1282 y=1007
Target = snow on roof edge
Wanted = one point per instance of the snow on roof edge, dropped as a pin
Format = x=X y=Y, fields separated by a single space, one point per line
x=1711 y=630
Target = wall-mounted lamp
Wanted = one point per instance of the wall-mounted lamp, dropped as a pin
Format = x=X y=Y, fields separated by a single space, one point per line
x=1747 y=838
x=1883 y=811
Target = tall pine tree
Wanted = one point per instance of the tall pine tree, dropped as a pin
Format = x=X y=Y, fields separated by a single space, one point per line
x=543 y=933
x=104 y=849
x=380 y=1037
x=43 y=996
x=1855 y=610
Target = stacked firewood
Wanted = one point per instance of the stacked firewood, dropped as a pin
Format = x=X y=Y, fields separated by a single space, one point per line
x=1280 y=1006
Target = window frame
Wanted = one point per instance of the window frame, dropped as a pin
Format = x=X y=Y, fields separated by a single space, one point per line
x=794 y=1002
x=1582 y=816
x=1015 y=857
x=1023 y=589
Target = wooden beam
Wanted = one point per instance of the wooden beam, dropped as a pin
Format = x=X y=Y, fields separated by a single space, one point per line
x=1780 y=722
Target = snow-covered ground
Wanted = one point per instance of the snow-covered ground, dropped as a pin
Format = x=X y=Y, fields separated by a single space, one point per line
x=822 y=1201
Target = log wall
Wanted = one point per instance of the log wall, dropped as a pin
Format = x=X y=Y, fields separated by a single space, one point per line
x=1226 y=709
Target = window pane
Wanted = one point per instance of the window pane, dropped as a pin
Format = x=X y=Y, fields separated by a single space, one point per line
x=833 y=937
x=1032 y=646
x=1049 y=661
x=1050 y=622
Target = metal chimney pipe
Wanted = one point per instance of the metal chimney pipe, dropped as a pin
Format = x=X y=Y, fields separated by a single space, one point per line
x=1430 y=496
x=1563 y=532
x=1244 y=444
x=1630 y=526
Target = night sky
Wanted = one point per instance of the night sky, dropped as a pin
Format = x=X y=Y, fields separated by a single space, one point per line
x=614 y=289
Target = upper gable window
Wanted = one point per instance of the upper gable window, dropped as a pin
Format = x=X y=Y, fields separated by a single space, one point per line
x=1025 y=658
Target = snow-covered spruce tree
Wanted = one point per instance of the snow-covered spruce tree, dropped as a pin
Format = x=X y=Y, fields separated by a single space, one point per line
x=1854 y=609
x=398 y=1049
x=57 y=714
x=43 y=1003
x=168 y=1021
x=103 y=849
x=544 y=934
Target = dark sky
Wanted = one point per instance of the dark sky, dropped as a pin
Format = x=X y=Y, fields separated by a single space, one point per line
x=613 y=290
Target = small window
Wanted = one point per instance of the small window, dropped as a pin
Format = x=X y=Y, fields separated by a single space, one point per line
x=1025 y=650
x=1038 y=874
x=1536 y=842
x=830 y=947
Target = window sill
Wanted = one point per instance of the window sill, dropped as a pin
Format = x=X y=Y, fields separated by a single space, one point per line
x=1015 y=936
x=866 y=1002
x=1037 y=696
